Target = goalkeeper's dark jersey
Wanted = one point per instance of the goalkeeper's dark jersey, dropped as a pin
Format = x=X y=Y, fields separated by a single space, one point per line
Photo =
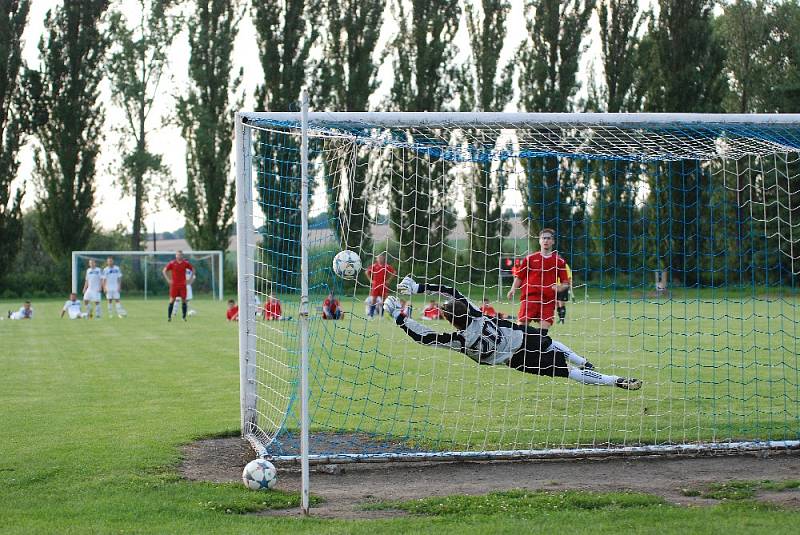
x=486 y=340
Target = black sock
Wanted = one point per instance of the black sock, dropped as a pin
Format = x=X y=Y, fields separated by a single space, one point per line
x=184 y=306
x=169 y=310
x=562 y=312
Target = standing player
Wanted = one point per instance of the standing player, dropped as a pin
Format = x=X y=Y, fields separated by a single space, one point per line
x=380 y=275
x=177 y=282
x=92 y=286
x=537 y=277
x=112 y=286
x=190 y=277
x=562 y=297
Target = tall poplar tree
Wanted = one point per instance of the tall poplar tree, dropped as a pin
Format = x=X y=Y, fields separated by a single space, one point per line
x=136 y=67
x=205 y=115
x=345 y=78
x=285 y=36
x=422 y=52
x=615 y=218
x=70 y=126
x=681 y=67
x=554 y=192
x=13 y=114
x=485 y=86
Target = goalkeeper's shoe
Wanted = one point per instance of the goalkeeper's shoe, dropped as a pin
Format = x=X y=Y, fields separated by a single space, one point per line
x=629 y=383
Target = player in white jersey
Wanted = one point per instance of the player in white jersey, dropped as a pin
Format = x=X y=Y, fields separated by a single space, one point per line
x=112 y=286
x=24 y=313
x=92 y=287
x=189 y=280
x=72 y=307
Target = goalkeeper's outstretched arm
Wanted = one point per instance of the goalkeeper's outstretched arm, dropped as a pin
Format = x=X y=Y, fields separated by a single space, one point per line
x=410 y=286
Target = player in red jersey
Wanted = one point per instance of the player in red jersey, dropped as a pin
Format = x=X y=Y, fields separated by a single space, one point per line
x=177 y=282
x=331 y=308
x=380 y=276
x=540 y=276
x=233 y=311
x=272 y=308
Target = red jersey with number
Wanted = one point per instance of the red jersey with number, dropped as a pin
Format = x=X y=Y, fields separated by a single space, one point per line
x=178 y=269
x=272 y=309
x=378 y=273
x=539 y=273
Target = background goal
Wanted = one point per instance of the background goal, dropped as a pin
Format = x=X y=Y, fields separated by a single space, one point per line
x=142 y=271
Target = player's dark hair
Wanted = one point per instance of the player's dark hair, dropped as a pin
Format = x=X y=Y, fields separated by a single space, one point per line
x=456 y=313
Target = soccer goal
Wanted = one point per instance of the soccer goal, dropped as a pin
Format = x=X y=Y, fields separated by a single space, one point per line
x=141 y=271
x=711 y=203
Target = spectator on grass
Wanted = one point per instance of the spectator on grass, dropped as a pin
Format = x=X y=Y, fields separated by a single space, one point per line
x=431 y=311
x=24 y=313
x=331 y=308
x=233 y=311
x=272 y=308
x=72 y=307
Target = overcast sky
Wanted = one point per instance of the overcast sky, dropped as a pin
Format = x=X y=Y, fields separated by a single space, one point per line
x=112 y=210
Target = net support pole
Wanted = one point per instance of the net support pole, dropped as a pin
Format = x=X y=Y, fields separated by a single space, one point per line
x=221 y=280
x=74 y=272
x=304 y=421
x=244 y=263
x=145 y=279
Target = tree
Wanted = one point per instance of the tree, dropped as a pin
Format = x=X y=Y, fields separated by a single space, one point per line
x=422 y=51
x=345 y=78
x=554 y=191
x=69 y=124
x=614 y=214
x=284 y=45
x=205 y=116
x=483 y=86
x=681 y=70
x=13 y=112
x=136 y=67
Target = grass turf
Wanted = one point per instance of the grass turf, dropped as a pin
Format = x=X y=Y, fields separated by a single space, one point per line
x=94 y=414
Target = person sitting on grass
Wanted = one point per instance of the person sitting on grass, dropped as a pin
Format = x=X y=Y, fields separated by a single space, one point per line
x=233 y=311
x=72 y=307
x=494 y=341
x=24 y=313
x=431 y=311
x=331 y=308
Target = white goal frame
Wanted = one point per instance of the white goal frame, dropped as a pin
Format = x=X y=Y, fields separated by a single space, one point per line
x=144 y=254
x=246 y=254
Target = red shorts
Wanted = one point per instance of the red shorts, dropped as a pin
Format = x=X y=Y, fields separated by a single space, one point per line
x=381 y=291
x=536 y=310
x=177 y=291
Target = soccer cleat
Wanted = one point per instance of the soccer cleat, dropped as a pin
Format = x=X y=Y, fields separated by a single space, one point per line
x=629 y=383
x=169 y=319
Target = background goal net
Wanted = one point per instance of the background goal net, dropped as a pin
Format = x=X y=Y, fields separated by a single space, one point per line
x=682 y=234
x=141 y=271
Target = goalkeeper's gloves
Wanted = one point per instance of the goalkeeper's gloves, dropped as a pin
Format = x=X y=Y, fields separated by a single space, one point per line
x=392 y=306
x=408 y=286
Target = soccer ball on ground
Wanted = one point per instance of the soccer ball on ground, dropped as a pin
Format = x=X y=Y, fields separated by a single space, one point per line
x=259 y=474
x=346 y=264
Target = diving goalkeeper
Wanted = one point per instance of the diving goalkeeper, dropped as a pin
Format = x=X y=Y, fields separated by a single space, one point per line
x=494 y=341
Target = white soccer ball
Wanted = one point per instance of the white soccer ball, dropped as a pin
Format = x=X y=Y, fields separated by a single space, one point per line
x=259 y=474
x=346 y=264
x=192 y=312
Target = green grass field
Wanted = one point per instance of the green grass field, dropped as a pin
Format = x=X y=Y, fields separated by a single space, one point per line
x=94 y=415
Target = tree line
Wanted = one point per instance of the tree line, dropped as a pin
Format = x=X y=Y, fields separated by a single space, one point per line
x=680 y=56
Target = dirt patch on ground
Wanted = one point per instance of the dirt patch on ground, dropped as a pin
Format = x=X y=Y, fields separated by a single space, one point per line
x=346 y=488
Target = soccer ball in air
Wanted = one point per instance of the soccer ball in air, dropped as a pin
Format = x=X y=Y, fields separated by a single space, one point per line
x=259 y=474
x=346 y=264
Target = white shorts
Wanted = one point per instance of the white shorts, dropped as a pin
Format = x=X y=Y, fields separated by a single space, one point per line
x=75 y=314
x=89 y=295
x=112 y=294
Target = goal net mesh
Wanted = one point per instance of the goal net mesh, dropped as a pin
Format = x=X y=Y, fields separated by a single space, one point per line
x=684 y=246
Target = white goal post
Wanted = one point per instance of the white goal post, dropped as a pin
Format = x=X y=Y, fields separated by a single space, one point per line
x=216 y=265
x=710 y=202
